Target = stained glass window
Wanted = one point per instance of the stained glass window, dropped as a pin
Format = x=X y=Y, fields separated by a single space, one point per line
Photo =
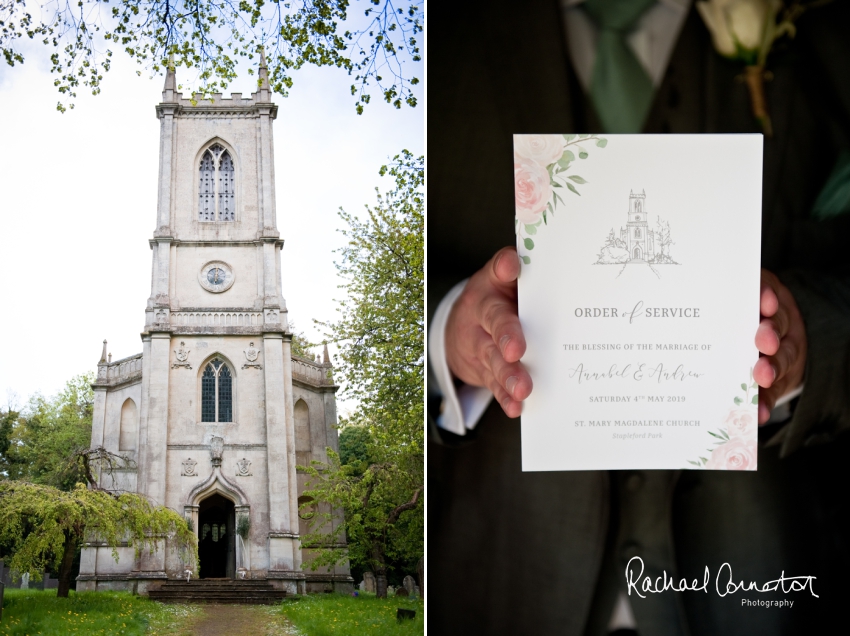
x=217 y=393
x=217 y=192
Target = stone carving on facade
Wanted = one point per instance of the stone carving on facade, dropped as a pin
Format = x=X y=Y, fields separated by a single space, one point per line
x=182 y=355
x=161 y=315
x=243 y=468
x=252 y=354
x=271 y=315
x=189 y=465
x=216 y=450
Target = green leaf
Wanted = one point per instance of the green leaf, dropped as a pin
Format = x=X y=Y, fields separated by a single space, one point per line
x=755 y=399
x=576 y=178
x=602 y=143
x=569 y=137
x=565 y=159
x=704 y=460
x=573 y=188
x=558 y=197
x=744 y=387
x=583 y=136
x=529 y=244
x=754 y=385
x=526 y=259
x=716 y=435
x=531 y=229
x=737 y=400
x=582 y=154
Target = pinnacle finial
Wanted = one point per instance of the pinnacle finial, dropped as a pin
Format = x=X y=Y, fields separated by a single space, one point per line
x=103 y=355
x=264 y=78
x=170 y=75
x=326 y=356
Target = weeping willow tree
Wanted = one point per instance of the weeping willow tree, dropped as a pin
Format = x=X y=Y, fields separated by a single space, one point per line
x=43 y=526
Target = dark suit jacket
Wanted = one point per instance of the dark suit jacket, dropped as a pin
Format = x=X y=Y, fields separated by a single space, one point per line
x=545 y=553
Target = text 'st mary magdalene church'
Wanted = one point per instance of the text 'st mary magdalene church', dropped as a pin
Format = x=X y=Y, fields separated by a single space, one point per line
x=216 y=411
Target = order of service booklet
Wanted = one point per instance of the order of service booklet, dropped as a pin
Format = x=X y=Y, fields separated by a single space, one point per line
x=639 y=299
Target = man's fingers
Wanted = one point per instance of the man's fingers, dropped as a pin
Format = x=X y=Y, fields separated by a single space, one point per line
x=768 y=338
x=498 y=316
x=510 y=406
x=511 y=376
x=769 y=301
x=764 y=373
x=504 y=269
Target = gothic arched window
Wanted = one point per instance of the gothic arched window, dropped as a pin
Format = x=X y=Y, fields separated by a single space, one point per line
x=637 y=232
x=216 y=189
x=217 y=392
x=637 y=206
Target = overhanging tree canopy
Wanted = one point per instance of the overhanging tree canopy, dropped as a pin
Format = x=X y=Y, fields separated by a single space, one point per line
x=213 y=35
x=44 y=526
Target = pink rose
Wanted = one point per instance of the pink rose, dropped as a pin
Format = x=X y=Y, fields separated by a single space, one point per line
x=736 y=454
x=544 y=149
x=742 y=423
x=532 y=188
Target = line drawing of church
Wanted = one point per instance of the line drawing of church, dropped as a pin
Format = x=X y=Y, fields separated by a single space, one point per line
x=637 y=243
x=216 y=412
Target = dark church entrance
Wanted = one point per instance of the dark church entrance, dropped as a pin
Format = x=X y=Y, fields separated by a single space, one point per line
x=216 y=546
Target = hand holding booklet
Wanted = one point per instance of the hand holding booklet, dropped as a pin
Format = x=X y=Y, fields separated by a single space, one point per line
x=639 y=299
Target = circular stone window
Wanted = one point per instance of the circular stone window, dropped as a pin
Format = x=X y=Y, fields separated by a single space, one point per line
x=216 y=276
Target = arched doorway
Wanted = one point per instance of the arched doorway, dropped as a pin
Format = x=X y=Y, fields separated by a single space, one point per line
x=637 y=252
x=216 y=546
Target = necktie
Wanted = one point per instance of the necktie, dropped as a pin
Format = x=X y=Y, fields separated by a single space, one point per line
x=620 y=89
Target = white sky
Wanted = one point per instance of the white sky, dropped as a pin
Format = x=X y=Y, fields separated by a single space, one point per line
x=79 y=205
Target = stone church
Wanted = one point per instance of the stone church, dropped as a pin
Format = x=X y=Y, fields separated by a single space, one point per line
x=216 y=412
x=639 y=239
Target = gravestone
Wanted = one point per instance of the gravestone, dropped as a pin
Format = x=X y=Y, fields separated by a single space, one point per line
x=369 y=580
x=362 y=586
x=409 y=585
x=402 y=591
x=25 y=581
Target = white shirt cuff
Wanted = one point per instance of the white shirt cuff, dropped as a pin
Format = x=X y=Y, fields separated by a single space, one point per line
x=462 y=408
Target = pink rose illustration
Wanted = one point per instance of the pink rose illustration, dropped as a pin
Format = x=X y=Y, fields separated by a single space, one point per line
x=736 y=454
x=741 y=423
x=532 y=188
x=544 y=149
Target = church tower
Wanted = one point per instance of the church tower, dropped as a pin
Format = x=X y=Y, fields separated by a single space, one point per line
x=638 y=236
x=216 y=412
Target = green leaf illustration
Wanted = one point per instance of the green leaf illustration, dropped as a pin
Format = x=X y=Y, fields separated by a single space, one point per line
x=526 y=259
x=529 y=245
x=717 y=436
x=754 y=385
x=576 y=178
x=573 y=188
x=567 y=157
x=583 y=136
x=569 y=137
x=744 y=386
x=602 y=143
x=530 y=229
x=756 y=399
x=582 y=154
x=738 y=400
x=558 y=198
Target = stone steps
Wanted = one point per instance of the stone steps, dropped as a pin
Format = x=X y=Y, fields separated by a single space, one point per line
x=218 y=591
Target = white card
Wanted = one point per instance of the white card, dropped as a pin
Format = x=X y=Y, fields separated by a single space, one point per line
x=639 y=299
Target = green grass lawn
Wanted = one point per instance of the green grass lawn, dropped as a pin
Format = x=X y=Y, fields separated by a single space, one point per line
x=33 y=612
x=337 y=614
